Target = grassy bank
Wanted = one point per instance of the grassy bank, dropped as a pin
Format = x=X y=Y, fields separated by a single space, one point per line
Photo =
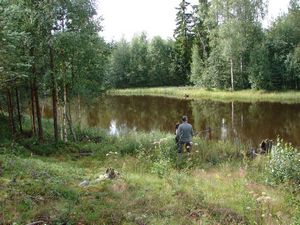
x=63 y=183
x=214 y=185
x=198 y=93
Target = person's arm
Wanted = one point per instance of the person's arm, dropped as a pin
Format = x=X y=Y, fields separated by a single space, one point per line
x=178 y=132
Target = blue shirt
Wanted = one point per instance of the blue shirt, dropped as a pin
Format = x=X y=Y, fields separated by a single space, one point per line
x=185 y=132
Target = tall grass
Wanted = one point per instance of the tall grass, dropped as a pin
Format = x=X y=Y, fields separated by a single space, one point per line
x=39 y=188
x=213 y=94
x=212 y=185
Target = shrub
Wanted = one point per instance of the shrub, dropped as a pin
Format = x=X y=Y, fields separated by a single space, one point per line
x=284 y=164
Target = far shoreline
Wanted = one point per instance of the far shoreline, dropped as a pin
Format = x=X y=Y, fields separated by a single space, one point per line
x=196 y=93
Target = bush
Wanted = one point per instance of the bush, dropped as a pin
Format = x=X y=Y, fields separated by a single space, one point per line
x=284 y=164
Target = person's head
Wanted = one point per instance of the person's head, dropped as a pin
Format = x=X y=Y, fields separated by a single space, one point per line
x=184 y=119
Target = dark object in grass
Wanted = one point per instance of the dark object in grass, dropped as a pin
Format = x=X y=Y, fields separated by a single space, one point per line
x=112 y=173
x=251 y=153
x=264 y=148
x=86 y=138
x=85 y=153
x=82 y=153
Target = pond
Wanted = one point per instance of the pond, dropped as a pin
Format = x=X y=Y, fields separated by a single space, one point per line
x=248 y=123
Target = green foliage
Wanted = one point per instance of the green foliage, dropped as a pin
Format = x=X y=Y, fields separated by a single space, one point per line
x=259 y=71
x=140 y=63
x=183 y=42
x=197 y=67
x=283 y=39
x=118 y=70
x=161 y=68
x=165 y=157
x=284 y=164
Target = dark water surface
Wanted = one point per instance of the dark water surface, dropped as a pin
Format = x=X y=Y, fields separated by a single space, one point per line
x=248 y=123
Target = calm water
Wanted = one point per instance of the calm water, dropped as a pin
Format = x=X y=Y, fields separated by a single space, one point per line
x=246 y=122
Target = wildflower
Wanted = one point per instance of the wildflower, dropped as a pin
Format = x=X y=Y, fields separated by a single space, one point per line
x=260 y=199
x=268 y=198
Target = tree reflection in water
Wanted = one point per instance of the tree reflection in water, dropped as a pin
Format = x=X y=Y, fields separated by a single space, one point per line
x=242 y=122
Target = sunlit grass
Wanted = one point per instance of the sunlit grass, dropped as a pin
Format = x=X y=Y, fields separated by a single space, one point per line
x=213 y=94
x=214 y=185
x=181 y=197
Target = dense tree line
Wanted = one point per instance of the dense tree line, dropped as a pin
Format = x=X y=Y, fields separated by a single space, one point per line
x=141 y=63
x=49 y=48
x=241 y=53
x=217 y=44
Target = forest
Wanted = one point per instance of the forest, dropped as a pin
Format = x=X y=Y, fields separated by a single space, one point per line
x=53 y=50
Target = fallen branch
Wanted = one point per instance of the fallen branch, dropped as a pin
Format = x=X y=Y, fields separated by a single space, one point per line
x=37 y=222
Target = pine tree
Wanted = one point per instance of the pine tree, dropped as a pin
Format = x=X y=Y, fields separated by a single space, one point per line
x=183 y=42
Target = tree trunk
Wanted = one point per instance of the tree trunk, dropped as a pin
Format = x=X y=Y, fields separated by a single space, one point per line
x=32 y=99
x=54 y=95
x=242 y=71
x=231 y=73
x=33 y=119
x=11 y=113
x=38 y=112
x=36 y=99
x=79 y=110
x=205 y=54
x=60 y=115
x=65 y=136
x=65 y=131
x=69 y=117
x=241 y=65
x=19 y=111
